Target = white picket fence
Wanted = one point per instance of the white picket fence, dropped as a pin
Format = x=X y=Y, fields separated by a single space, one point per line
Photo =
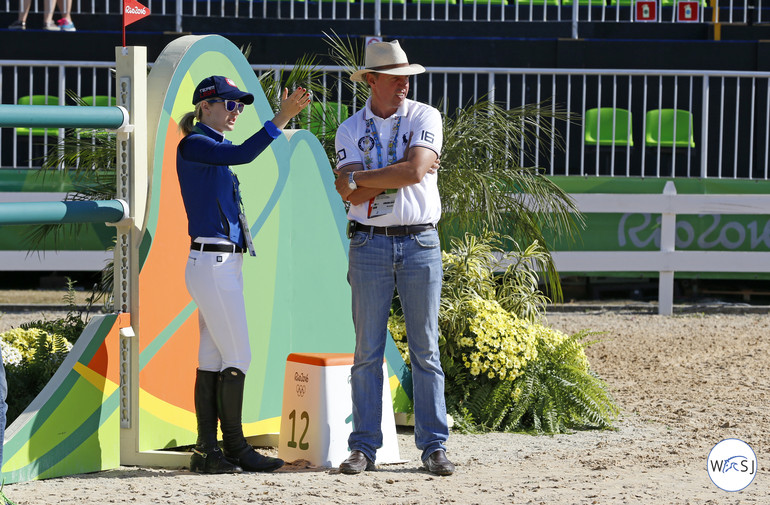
x=667 y=260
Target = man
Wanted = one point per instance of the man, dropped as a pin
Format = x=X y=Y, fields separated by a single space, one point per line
x=387 y=154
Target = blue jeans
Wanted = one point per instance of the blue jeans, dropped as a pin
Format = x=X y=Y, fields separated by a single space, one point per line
x=3 y=407
x=378 y=265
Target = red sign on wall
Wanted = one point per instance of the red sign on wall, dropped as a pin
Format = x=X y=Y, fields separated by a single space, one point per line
x=646 y=10
x=687 y=11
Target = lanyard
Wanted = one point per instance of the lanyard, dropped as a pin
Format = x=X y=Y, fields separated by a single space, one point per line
x=248 y=241
x=236 y=189
x=371 y=132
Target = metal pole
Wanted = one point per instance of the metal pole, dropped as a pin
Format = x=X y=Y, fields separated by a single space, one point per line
x=575 y=18
x=99 y=211
x=63 y=116
x=667 y=246
x=704 y=133
x=178 y=16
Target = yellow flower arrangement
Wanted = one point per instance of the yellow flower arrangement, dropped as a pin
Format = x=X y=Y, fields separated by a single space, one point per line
x=504 y=369
x=25 y=343
x=497 y=343
x=397 y=328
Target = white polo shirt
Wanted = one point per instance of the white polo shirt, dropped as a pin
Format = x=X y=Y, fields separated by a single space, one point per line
x=415 y=204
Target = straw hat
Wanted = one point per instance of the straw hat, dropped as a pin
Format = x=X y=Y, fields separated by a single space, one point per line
x=386 y=58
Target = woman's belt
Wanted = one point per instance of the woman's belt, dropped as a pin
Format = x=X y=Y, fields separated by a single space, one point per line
x=229 y=248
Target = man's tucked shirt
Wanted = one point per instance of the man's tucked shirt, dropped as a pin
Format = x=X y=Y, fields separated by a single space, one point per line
x=415 y=204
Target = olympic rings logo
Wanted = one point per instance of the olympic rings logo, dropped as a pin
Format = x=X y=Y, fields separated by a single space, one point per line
x=300 y=390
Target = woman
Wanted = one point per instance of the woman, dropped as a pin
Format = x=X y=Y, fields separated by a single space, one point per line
x=220 y=234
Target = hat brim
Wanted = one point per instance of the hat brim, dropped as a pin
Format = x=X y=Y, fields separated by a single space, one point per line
x=412 y=69
x=246 y=98
x=241 y=96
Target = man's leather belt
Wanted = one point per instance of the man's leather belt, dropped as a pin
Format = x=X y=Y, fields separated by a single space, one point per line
x=391 y=231
x=228 y=248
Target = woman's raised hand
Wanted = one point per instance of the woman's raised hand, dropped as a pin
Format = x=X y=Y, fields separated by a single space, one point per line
x=291 y=105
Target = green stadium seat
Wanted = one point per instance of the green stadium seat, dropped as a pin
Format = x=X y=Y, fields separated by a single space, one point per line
x=659 y=128
x=597 y=3
x=323 y=117
x=672 y=3
x=599 y=129
x=497 y=2
x=100 y=100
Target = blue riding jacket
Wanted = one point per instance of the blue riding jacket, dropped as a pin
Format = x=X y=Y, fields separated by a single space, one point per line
x=210 y=189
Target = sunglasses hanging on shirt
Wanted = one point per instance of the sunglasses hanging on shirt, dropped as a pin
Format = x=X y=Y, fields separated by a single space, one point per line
x=230 y=105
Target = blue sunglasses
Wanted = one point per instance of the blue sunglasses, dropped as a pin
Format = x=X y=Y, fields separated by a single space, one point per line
x=230 y=105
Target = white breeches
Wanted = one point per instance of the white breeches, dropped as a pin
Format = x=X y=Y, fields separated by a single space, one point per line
x=215 y=282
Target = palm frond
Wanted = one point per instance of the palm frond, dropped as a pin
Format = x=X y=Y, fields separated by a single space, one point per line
x=303 y=73
x=246 y=50
x=485 y=183
x=349 y=56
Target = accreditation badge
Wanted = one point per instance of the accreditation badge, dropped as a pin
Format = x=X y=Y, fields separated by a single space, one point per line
x=382 y=204
x=247 y=234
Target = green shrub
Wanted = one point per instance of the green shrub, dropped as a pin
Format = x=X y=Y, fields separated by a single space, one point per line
x=30 y=341
x=504 y=370
x=559 y=392
x=34 y=351
x=31 y=357
x=70 y=326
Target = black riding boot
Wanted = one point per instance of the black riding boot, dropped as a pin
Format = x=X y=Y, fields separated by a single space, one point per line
x=207 y=457
x=236 y=449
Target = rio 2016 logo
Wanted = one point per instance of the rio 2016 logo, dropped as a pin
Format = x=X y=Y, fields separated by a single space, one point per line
x=732 y=465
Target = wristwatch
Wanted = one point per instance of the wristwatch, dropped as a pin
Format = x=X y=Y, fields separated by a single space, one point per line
x=351 y=183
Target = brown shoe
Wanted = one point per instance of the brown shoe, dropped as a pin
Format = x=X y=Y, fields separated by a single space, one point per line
x=357 y=462
x=438 y=463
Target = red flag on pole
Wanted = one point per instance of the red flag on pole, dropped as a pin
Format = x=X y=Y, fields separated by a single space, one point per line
x=132 y=11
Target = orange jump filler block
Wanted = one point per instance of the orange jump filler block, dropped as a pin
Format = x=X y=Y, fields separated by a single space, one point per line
x=317 y=413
